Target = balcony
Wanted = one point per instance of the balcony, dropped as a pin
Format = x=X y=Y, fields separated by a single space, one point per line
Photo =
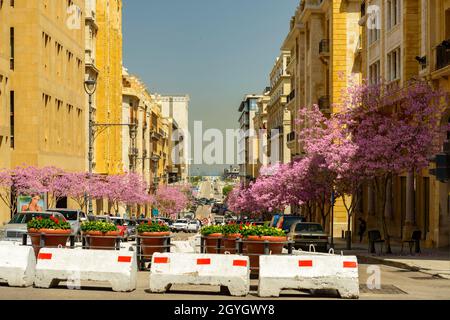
x=324 y=47
x=443 y=55
x=133 y=151
x=291 y=136
x=291 y=96
x=324 y=104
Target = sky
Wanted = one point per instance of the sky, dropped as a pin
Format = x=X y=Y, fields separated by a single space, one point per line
x=216 y=51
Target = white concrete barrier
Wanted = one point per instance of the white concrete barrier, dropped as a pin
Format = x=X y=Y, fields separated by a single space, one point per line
x=17 y=265
x=119 y=268
x=195 y=242
x=181 y=247
x=230 y=271
x=308 y=271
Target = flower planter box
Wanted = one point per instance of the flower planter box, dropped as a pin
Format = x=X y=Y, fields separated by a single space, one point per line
x=254 y=247
x=152 y=242
x=52 y=238
x=98 y=240
x=212 y=243
x=229 y=243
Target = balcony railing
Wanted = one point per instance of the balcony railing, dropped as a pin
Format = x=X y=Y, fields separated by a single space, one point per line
x=443 y=55
x=133 y=151
x=324 y=46
x=291 y=96
x=291 y=136
x=324 y=103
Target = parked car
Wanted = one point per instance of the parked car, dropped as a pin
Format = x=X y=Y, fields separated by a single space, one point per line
x=120 y=224
x=74 y=217
x=285 y=222
x=180 y=225
x=99 y=218
x=306 y=233
x=194 y=226
x=17 y=227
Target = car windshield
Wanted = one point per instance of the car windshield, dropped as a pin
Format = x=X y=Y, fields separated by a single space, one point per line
x=308 y=227
x=193 y=222
x=18 y=218
x=31 y=216
x=70 y=215
x=181 y=221
x=118 y=222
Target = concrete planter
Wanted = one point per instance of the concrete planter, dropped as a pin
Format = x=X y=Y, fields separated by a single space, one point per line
x=102 y=241
x=154 y=243
x=254 y=247
x=229 y=242
x=52 y=238
x=212 y=241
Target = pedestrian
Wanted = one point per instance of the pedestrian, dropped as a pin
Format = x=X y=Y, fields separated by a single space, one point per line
x=362 y=228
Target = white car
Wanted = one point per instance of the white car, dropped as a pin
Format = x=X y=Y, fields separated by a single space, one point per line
x=194 y=226
x=180 y=225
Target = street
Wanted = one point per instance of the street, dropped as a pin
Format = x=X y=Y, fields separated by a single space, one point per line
x=396 y=284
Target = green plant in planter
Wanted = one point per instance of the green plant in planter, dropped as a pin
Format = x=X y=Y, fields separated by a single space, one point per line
x=152 y=227
x=101 y=226
x=208 y=230
x=52 y=223
x=231 y=229
x=262 y=231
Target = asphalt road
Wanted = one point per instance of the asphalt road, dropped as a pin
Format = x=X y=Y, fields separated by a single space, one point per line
x=395 y=284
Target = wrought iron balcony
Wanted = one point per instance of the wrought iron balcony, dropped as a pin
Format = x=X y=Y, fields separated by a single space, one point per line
x=324 y=47
x=291 y=136
x=443 y=54
x=133 y=151
x=291 y=96
x=324 y=103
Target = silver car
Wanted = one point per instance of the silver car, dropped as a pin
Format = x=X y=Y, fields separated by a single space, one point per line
x=74 y=217
x=17 y=227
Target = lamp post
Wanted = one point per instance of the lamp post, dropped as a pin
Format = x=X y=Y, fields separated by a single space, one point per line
x=90 y=86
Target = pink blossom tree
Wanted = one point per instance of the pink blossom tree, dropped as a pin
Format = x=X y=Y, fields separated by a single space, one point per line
x=394 y=130
x=170 y=200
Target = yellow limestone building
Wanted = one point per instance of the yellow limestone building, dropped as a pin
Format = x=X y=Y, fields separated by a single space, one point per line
x=42 y=100
x=108 y=143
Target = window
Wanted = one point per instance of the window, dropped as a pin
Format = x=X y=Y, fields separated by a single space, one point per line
x=373 y=33
x=374 y=72
x=11 y=44
x=393 y=65
x=11 y=118
x=393 y=13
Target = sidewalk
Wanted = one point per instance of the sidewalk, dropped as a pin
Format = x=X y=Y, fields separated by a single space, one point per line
x=435 y=262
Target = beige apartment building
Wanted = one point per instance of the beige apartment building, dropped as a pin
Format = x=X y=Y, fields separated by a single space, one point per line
x=278 y=116
x=260 y=125
x=323 y=41
x=411 y=41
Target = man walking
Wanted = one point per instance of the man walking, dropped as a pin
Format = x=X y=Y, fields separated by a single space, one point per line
x=362 y=228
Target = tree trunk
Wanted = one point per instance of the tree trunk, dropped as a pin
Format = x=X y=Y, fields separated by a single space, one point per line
x=381 y=185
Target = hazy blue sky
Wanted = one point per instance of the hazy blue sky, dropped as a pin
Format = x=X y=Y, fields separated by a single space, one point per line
x=214 y=50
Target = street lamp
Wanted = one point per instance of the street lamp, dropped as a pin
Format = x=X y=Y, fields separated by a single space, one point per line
x=90 y=86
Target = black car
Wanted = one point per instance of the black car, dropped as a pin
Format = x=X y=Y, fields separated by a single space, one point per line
x=306 y=233
x=285 y=221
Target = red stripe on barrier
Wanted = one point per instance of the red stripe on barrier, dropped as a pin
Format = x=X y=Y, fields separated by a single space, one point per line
x=123 y=259
x=161 y=260
x=350 y=264
x=203 y=261
x=239 y=263
x=45 y=256
x=305 y=263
